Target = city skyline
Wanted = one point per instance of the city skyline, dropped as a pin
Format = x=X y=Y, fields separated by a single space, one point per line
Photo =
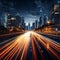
x=30 y=9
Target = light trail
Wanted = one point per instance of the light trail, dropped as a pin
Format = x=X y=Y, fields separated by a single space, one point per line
x=8 y=40
x=52 y=34
x=27 y=41
x=47 y=43
x=11 y=33
x=18 y=47
x=33 y=49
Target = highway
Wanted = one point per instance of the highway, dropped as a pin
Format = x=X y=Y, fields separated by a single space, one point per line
x=30 y=46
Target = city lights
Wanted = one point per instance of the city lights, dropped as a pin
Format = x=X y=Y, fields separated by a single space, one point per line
x=48 y=22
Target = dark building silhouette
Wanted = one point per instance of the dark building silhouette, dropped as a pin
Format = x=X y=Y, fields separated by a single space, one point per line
x=18 y=20
x=55 y=16
x=26 y=27
x=36 y=24
x=12 y=21
x=0 y=22
x=45 y=20
x=40 y=21
x=29 y=28
x=22 y=23
x=33 y=26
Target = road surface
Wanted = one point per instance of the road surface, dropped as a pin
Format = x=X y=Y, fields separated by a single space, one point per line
x=30 y=46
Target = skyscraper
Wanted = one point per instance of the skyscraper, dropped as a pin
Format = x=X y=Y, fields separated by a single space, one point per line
x=36 y=24
x=18 y=20
x=29 y=28
x=12 y=21
x=56 y=16
x=22 y=23
x=45 y=20
x=40 y=21
x=33 y=26
x=0 y=21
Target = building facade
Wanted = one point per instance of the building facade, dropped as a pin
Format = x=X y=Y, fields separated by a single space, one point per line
x=55 y=16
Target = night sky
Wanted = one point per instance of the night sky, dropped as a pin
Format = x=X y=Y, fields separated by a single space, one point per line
x=30 y=9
